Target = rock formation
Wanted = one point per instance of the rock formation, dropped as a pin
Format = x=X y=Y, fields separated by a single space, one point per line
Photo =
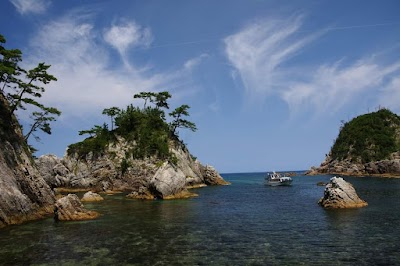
x=369 y=144
x=91 y=196
x=388 y=167
x=146 y=179
x=24 y=194
x=340 y=194
x=69 y=208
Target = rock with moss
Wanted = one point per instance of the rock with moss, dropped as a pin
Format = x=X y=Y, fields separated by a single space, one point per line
x=70 y=208
x=339 y=194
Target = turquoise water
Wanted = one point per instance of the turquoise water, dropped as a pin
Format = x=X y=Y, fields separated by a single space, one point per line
x=246 y=223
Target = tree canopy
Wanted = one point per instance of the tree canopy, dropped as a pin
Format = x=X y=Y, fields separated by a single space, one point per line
x=22 y=88
x=369 y=137
x=146 y=128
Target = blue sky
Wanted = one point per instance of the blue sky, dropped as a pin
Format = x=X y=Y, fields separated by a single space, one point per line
x=268 y=82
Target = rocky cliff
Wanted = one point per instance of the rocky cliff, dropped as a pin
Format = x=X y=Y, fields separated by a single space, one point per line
x=389 y=167
x=367 y=145
x=24 y=195
x=115 y=170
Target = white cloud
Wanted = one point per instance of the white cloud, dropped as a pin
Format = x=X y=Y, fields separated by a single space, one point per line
x=330 y=88
x=128 y=35
x=390 y=97
x=86 y=82
x=260 y=54
x=260 y=49
x=192 y=63
x=31 y=6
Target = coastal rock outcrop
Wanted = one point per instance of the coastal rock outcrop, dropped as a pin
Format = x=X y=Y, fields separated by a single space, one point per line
x=340 y=194
x=70 y=208
x=388 y=167
x=91 y=196
x=113 y=170
x=369 y=144
x=24 y=194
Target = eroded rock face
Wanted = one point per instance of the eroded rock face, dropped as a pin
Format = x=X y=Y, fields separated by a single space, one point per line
x=167 y=181
x=91 y=196
x=147 y=179
x=340 y=194
x=389 y=167
x=24 y=194
x=70 y=208
x=212 y=177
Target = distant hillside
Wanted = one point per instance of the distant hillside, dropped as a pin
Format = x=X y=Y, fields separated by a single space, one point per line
x=367 y=138
x=367 y=145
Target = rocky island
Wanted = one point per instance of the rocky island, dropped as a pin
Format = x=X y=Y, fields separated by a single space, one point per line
x=367 y=145
x=137 y=153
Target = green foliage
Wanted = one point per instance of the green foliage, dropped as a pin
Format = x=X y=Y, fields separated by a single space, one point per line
x=124 y=166
x=178 y=121
x=22 y=87
x=111 y=112
x=145 y=128
x=41 y=120
x=369 y=137
x=95 y=144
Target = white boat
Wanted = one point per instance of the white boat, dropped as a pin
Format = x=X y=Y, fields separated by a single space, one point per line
x=275 y=179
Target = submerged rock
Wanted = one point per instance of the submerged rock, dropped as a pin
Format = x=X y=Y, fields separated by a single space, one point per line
x=340 y=194
x=91 y=196
x=70 y=208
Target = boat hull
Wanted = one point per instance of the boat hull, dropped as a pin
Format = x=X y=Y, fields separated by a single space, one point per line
x=278 y=183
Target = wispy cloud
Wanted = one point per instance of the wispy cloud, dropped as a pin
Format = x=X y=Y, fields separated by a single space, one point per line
x=331 y=87
x=260 y=53
x=31 y=6
x=127 y=34
x=192 y=63
x=88 y=80
x=390 y=96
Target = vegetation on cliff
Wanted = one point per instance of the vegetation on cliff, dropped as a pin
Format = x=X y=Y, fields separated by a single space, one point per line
x=369 y=137
x=146 y=128
x=20 y=88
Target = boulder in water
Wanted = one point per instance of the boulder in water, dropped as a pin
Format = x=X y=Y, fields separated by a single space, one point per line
x=70 y=208
x=340 y=194
x=91 y=196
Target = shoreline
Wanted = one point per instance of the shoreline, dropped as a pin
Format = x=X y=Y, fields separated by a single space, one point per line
x=385 y=175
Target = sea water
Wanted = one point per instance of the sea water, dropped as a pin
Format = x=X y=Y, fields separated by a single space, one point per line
x=246 y=223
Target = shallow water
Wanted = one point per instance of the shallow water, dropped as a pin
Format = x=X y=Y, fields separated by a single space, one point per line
x=246 y=223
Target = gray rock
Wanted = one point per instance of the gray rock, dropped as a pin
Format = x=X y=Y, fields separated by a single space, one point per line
x=103 y=173
x=212 y=177
x=91 y=196
x=69 y=208
x=167 y=181
x=340 y=194
x=24 y=194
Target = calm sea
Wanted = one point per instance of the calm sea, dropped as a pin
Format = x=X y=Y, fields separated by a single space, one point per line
x=246 y=223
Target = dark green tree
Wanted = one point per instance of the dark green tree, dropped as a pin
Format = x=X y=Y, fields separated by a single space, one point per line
x=21 y=88
x=111 y=112
x=9 y=68
x=178 y=121
x=41 y=120
x=160 y=99
x=23 y=92
x=146 y=96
